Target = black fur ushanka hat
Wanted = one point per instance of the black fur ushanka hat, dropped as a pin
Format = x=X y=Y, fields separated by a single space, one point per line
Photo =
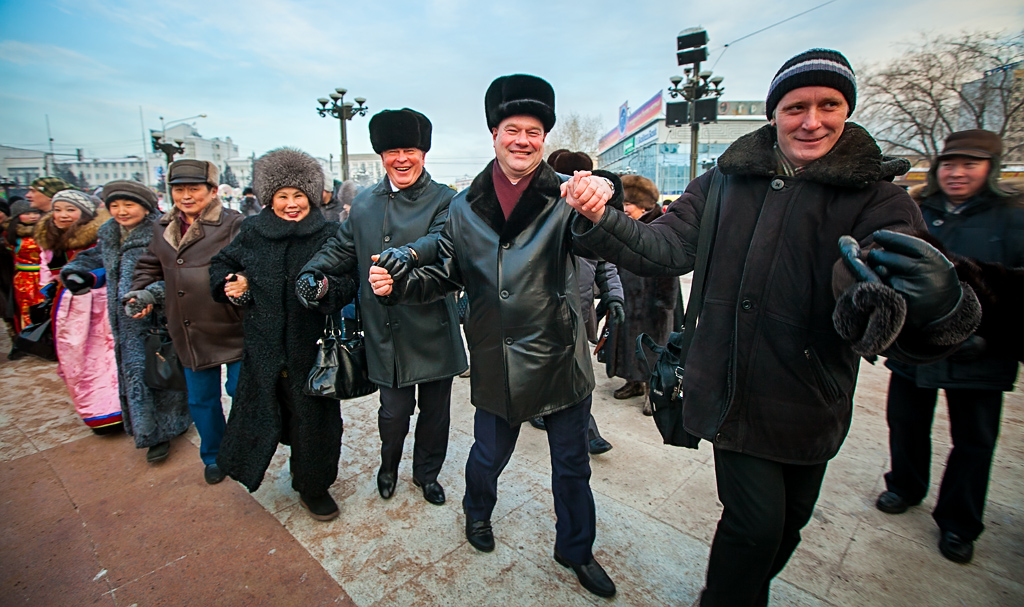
x=398 y=129
x=287 y=168
x=520 y=94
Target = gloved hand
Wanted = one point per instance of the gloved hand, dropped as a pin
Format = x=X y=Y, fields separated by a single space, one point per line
x=79 y=283
x=142 y=300
x=310 y=287
x=398 y=261
x=972 y=349
x=616 y=314
x=920 y=273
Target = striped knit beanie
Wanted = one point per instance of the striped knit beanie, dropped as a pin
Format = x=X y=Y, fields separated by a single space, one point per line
x=86 y=203
x=816 y=67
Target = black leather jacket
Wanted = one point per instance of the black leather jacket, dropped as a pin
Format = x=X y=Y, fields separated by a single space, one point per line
x=527 y=343
x=411 y=344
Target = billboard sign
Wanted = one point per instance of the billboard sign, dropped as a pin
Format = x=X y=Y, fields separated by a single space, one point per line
x=647 y=112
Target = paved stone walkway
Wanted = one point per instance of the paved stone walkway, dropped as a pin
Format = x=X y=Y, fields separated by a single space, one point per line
x=84 y=520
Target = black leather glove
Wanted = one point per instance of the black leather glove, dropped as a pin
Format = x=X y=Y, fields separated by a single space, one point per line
x=920 y=273
x=310 y=287
x=972 y=349
x=398 y=261
x=616 y=314
x=78 y=283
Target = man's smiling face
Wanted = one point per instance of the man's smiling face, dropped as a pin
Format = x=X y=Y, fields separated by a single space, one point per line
x=403 y=165
x=809 y=121
x=519 y=145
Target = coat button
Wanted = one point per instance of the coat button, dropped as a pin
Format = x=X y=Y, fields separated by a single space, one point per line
x=186 y=322
x=504 y=294
x=181 y=261
x=387 y=239
x=938 y=222
x=509 y=341
x=181 y=293
x=747 y=305
x=778 y=184
x=506 y=245
x=720 y=438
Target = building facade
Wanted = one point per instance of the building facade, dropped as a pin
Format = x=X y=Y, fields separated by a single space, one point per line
x=642 y=144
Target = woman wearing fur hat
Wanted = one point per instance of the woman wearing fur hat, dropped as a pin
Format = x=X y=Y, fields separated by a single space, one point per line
x=86 y=364
x=648 y=301
x=19 y=240
x=152 y=417
x=257 y=272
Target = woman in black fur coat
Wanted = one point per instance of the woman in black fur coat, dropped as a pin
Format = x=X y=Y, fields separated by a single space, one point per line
x=649 y=301
x=257 y=271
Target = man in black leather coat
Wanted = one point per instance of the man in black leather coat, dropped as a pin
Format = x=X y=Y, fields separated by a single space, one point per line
x=410 y=347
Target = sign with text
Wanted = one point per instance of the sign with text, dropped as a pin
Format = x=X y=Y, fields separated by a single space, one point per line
x=647 y=112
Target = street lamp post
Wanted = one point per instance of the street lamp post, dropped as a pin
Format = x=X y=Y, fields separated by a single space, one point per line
x=169 y=150
x=691 y=44
x=344 y=112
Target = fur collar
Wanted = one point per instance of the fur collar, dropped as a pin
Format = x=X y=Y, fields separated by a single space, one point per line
x=854 y=162
x=25 y=230
x=75 y=238
x=110 y=233
x=211 y=215
x=543 y=190
x=412 y=192
x=651 y=214
x=269 y=225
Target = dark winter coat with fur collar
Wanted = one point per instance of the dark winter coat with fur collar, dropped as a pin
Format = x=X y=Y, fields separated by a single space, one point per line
x=527 y=343
x=280 y=337
x=150 y=416
x=767 y=374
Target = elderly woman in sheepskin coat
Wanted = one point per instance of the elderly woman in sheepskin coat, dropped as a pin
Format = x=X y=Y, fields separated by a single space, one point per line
x=152 y=417
x=649 y=301
x=257 y=272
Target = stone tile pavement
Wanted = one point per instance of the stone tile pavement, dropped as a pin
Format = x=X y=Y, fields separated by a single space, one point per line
x=84 y=520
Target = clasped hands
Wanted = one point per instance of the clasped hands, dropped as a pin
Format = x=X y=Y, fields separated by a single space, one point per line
x=588 y=194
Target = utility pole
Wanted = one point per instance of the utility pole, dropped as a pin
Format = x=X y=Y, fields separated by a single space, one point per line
x=692 y=49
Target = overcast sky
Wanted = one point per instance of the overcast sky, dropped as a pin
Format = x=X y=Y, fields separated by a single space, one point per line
x=257 y=67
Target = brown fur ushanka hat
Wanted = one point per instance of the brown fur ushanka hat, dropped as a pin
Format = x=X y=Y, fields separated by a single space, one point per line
x=640 y=191
x=287 y=168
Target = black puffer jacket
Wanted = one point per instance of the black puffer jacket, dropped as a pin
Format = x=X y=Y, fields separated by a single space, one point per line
x=527 y=344
x=989 y=229
x=280 y=335
x=412 y=344
x=767 y=373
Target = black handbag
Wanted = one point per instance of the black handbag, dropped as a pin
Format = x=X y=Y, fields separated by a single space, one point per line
x=37 y=338
x=340 y=369
x=163 y=369
x=666 y=376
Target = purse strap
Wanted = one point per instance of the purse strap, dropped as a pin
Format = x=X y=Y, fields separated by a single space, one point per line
x=708 y=227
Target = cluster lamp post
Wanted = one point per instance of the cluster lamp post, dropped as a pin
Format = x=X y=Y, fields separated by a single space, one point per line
x=343 y=111
x=701 y=90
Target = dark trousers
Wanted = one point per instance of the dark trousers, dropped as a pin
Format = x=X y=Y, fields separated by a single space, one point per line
x=314 y=435
x=575 y=524
x=766 y=505
x=431 y=446
x=974 y=426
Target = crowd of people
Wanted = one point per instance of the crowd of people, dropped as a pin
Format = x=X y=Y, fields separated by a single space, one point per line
x=930 y=282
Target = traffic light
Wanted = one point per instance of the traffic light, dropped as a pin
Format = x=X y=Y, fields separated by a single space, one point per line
x=691 y=46
x=156 y=141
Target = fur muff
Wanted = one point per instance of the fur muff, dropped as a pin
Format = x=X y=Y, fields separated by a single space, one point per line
x=280 y=347
x=287 y=168
x=520 y=94
x=640 y=191
x=399 y=129
x=150 y=416
x=870 y=316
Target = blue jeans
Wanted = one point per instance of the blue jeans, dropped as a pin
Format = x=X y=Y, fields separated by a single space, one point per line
x=204 y=405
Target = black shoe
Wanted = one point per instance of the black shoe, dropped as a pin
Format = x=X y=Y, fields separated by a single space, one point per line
x=158 y=452
x=479 y=533
x=590 y=574
x=213 y=474
x=433 y=492
x=117 y=428
x=386 y=482
x=892 y=503
x=538 y=423
x=956 y=548
x=320 y=507
x=15 y=354
x=598 y=446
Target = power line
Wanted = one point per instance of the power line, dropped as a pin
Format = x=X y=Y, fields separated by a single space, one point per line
x=725 y=47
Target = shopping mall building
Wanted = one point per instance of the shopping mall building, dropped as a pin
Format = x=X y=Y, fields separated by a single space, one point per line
x=642 y=144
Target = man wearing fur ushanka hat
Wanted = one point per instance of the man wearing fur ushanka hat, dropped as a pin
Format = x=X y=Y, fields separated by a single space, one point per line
x=508 y=244
x=413 y=352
